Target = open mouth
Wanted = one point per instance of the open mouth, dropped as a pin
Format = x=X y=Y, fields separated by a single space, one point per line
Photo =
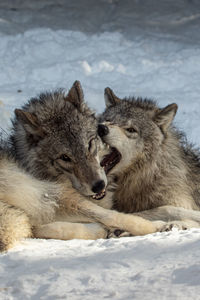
x=108 y=163
x=100 y=195
x=111 y=160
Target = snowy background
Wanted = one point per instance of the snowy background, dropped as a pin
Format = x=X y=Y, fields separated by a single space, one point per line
x=147 y=48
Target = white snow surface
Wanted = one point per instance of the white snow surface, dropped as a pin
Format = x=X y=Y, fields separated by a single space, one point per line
x=148 y=48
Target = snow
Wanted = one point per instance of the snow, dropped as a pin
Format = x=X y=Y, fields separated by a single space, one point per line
x=142 y=48
x=158 y=266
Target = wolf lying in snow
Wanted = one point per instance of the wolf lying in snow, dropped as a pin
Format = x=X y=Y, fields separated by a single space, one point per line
x=155 y=173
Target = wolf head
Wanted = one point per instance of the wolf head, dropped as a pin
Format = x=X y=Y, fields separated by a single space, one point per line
x=135 y=130
x=55 y=137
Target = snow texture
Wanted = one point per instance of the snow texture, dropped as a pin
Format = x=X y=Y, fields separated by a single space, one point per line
x=148 y=48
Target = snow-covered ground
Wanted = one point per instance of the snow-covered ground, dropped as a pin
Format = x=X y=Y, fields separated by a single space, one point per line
x=158 y=266
x=147 y=48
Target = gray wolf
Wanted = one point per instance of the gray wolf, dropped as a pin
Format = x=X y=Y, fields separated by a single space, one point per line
x=155 y=171
x=51 y=180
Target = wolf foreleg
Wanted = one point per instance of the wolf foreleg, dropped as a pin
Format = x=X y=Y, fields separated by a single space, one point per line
x=68 y=231
x=170 y=213
x=113 y=219
x=172 y=217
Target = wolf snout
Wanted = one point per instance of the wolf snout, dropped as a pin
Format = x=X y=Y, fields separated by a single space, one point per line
x=98 y=186
x=102 y=130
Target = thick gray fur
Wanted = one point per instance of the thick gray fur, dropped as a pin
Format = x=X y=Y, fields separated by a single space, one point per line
x=56 y=124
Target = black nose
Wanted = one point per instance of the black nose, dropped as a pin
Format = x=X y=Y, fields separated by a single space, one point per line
x=98 y=186
x=102 y=130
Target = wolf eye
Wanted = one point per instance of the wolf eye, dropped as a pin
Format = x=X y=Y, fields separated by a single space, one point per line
x=131 y=130
x=65 y=157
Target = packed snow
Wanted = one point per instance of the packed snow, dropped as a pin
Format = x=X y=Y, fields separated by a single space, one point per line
x=146 y=48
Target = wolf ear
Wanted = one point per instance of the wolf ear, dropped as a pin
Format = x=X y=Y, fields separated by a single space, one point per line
x=110 y=98
x=165 y=116
x=76 y=96
x=29 y=122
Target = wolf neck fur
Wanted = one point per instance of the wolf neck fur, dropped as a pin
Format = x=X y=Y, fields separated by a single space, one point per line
x=142 y=185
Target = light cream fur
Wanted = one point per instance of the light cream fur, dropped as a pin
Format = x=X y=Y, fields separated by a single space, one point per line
x=14 y=225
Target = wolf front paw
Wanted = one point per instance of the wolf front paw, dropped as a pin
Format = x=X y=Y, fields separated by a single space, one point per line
x=118 y=233
x=174 y=225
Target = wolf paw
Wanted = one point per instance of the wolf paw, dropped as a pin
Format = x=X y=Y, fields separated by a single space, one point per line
x=174 y=225
x=118 y=233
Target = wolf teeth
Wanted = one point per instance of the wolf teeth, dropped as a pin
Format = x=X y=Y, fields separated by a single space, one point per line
x=99 y=195
x=108 y=164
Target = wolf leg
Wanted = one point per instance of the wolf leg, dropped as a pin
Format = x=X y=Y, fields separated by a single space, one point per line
x=169 y=213
x=172 y=217
x=68 y=231
x=165 y=218
x=14 y=225
x=113 y=219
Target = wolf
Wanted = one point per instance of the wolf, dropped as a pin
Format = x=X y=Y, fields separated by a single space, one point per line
x=51 y=182
x=155 y=173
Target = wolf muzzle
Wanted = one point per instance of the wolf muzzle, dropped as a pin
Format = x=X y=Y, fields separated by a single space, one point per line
x=98 y=186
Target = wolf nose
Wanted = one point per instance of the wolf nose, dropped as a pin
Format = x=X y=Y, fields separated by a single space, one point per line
x=98 y=186
x=102 y=130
